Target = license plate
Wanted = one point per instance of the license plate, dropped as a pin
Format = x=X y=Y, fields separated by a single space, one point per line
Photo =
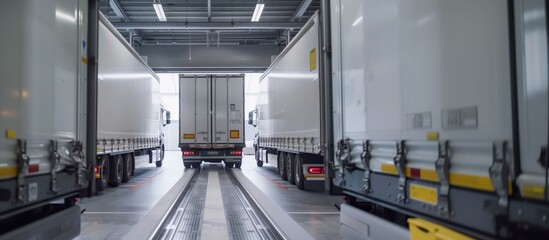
x=212 y=153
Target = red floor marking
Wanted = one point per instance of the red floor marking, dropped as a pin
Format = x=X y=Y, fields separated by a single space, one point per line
x=273 y=181
x=146 y=180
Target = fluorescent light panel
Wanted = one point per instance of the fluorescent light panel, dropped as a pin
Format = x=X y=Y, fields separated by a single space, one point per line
x=160 y=12
x=257 y=12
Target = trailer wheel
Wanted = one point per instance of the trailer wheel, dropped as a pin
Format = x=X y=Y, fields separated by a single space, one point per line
x=290 y=170
x=237 y=164
x=159 y=163
x=103 y=180
x=282 y=166
x=187 y=165
x=299 y=178
x=127 y=167
x=259 y=163
x=162 y=154
x=229 y=165
x=116 y=171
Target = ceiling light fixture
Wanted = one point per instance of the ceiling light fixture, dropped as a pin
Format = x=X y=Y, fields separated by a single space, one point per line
x=159 y=12
x=258 y=10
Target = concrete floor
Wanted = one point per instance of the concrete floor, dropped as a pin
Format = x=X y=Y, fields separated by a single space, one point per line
x=113 y=213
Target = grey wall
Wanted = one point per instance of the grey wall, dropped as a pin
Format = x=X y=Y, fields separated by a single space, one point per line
x=175 y=58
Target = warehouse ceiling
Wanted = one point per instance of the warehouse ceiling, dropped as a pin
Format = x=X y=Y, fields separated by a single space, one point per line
x=208 y=22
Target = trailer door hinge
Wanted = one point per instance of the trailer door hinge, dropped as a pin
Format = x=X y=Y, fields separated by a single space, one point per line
x=22 y=168
x=54 y=159
x=342 y=155
x=365 y=158
x=400 y=164
x=77 y=149
x=442 y=166
x=499 y=174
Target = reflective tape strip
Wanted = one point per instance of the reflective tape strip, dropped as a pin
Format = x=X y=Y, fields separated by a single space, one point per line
x=8 y=172
x=483 y=183
x=423 y=174
x=533 y=191
x=389 y=169
x=314 y=175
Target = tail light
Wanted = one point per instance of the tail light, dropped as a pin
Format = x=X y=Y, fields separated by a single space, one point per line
x=236 y=152
x=188 y=153
x=316 y=170
x=96 y=172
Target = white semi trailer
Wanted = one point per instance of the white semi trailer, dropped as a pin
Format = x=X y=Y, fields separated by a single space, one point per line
x=211 y=119
x=43 y=65
x=129 y=115
x=440 y=112
x=288 y=113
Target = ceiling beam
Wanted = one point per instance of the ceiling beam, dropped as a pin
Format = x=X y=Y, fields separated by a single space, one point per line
x=298 y=14
x=303 y=6
x=206 y=25
x=119 y=11
x=209 y=10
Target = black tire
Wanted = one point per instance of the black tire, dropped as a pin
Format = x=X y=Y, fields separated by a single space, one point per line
x=158 y=163
x=229 y=165
x=282 y=166
x=290 y=170
x=162 y=153
x=127 y=168
x=259 y=163
x=237 y=164
x=187 y=165
x=103 y=180
x=116 y=170
x=299 y=178
x=196 y=165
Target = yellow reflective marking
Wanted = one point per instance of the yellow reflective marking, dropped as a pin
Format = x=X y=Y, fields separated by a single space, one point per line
x=432 y=136
x=424 y=194
x=8 y=172
x=389 y=169
x=11 y=134
x=84 y=60
x=235 y=134
x=188 y=136
x=470 y=181
x=312 y=60
x=533 y=191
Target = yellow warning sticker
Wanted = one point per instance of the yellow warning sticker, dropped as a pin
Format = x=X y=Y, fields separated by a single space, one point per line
x=84 y=60
x=432 y=136
x=11 y=134
x=424 y=194
x=312 y=60
x=235 y=134
x=188 y=136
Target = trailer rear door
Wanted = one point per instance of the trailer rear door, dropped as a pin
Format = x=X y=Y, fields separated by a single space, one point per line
x=211 y=109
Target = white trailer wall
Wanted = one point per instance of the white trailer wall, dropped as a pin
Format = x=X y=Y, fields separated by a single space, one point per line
x=426 y=74
x=289 y=103
x=42 y=86
x=128 y=92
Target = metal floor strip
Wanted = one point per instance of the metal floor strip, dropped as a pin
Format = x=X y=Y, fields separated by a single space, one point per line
x=243 y=222
x=187 y=221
